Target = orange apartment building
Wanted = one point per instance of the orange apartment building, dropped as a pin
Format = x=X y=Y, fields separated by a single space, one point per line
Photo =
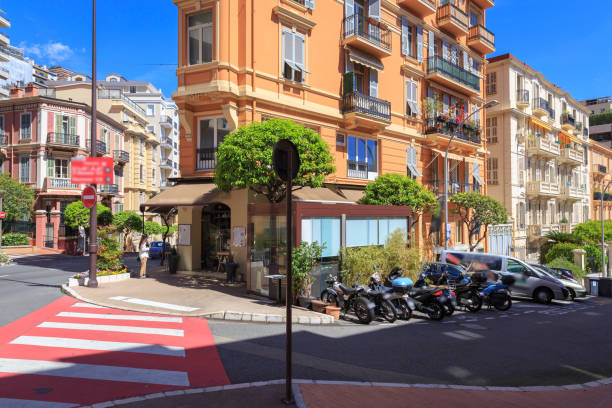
x=601 y=159
x=379 y=80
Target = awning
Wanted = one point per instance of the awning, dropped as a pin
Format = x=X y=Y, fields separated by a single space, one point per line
x=328 y=195
x=185 y=194
x=451 y=156
x=541 y=124
x=363 y=59
x=476 y=174
x=474 y=160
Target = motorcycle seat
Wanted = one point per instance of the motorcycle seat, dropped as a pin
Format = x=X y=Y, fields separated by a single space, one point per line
x=346 y=289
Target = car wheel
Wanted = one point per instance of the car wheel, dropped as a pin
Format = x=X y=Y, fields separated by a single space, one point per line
x=543 y=296
x=572 y=295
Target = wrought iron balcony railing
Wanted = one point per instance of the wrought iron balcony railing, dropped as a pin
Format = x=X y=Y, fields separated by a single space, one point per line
x=357 y=169
x=522 y=96
x=365 y=104
x=437 y=64
x=65 y=139
x=358 y=25
x=206 y=158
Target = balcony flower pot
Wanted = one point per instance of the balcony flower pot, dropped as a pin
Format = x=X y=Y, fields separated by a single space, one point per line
x=333 y=311
x=607 y=196
x=319 y=306
x=597 y=195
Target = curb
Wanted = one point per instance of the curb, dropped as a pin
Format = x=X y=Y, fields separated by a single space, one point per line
x=221 y=315
x=299 y=400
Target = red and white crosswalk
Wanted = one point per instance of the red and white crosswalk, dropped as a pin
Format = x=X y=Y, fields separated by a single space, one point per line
x=71 y=353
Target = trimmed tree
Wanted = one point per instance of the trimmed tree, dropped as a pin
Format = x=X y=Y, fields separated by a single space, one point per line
x=18 y=198
x=77 y=215
x=244 y=159
x=127 y=222
x=476 y=211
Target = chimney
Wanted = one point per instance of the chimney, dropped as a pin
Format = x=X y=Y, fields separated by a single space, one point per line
x=31 y=90
x=16 y=92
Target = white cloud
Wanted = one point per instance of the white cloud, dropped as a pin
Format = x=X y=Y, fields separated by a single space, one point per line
x=51 y=52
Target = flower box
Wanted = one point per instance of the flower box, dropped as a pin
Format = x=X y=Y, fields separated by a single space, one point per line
x=101 y=279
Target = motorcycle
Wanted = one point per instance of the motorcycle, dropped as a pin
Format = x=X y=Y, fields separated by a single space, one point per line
x=497 y=294
x=349 y=299
x=438 y=275
x=381 y=297
x=399 y=293
x=468 y=293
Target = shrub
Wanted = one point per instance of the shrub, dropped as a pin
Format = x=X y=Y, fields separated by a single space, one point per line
x=14 y=238
x=109 y=251
x=561 y=250
x=304 y=259
x=565 y=264
x=602 y=118
x=4 y=259
x=593 y=258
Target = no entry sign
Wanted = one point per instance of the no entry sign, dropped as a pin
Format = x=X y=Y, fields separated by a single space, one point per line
x=92 y=170
x=2 y=215
x=88 y=197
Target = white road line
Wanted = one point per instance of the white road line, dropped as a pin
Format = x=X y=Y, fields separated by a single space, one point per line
x=21 y=403
x=110 y=328
x=100 y=345
x=94 y=372
x=154 y=304
x=122 y=317
x=83 y=304
x=3 y=276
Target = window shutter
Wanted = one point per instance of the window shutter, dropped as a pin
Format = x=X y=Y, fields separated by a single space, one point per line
x=374 y=83
x=349 y=8
x=310 y=4
x=445 y=103
x=375 y=9
x=288 y=47
x=58 y=124
x=408 y=95
x=299 y=52
x=414 y=97
x=453 y=54
x=471 y=65
x=420 y=44
x=444 y=49
x=50 y=167
x=348 y=83
x=405 y=50
x=465 y=61
x=431 y=42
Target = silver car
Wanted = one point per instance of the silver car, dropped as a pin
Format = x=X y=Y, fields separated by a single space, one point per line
x=575 y=289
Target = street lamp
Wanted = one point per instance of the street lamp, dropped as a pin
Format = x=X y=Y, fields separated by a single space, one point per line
x=489 y=104
x=603 y=237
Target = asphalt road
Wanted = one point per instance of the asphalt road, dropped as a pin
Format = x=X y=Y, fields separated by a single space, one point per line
x=33 y=282
x=564 y=343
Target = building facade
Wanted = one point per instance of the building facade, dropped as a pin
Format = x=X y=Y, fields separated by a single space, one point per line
x=539 y=153
x=4 y=58
x=41 y=74
x=601 y=123
x=382 y=82
x=39 y=136
x=601 y=160
x=598 y=105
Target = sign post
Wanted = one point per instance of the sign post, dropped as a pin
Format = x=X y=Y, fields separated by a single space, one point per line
x=286 y=161
x=2 y=215
x=88 y=197
x=93 y=214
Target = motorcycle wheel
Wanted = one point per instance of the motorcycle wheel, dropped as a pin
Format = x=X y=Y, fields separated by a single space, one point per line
x=449 y=309
x=503 y=306
x=364 y=313
x=438 y=311
x=388 y=312
x=476 y=304
x=329 y=297
x=406 y=311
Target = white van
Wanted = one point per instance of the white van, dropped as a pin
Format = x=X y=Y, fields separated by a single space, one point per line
x=529 y=281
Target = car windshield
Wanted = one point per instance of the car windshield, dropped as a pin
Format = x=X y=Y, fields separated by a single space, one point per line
x=156 y=245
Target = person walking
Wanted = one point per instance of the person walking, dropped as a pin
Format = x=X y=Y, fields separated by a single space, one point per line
x=143 y=255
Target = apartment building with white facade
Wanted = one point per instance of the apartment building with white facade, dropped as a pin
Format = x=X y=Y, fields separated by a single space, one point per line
x=538 y=153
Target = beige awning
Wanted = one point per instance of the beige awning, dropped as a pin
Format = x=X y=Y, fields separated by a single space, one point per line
x=474 y=160
x=327 y=195
x=451 y=156
x=364 y=59
x=185 y=194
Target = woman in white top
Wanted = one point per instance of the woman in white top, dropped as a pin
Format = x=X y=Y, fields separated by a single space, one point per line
x=143 y=254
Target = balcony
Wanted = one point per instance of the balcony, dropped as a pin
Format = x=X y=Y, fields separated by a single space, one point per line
x=109 y=189
x=551 y=116
x=4 y=39
x=166 y=143
x=481 y=39
x=117 y=95
x=454 y=187
x=368 y=35
x=568 y=122
x=572 y=193
x=121 y=156
x=452 y=19
x=4 y=74
x=420 y=8
x=362 y=110
x=442 y=127
x=484 y=4
x=166 y=164
x=522 y=98
x=166 y=121
x=53 y=182
x=101 y=147
x=356 y=169
x=452 y=76
x=206 y=158
x=537 y=146
x=545 y=189
x=571 y=156
x=63 y=140
x=540 y=107
x=599 y=170
x=578 y=130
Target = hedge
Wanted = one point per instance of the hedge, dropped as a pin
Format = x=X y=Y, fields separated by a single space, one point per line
x=600 y=118
x=561 y=250
x=565 y=264
x=14 y=239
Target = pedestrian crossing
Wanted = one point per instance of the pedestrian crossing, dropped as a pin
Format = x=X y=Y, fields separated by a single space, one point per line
x=72 y=353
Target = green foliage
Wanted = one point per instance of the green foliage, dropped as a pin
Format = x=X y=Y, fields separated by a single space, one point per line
x=18 y=198
x=565 y=264
x=105 y=216
x=561 y=250
x=555 y=237
x=109 y=251
x=304 y=259
x=14 y=239
x=397 y=189
x=127 y=221
x=591 y=231
x=244 y=159
x=478 y=210
x=4 y=259
x=153 y=228
x=593 y=258
x=602 y=118
x=77 y=215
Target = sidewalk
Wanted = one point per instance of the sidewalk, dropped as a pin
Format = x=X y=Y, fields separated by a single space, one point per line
x=326 y=394
x=190 y=295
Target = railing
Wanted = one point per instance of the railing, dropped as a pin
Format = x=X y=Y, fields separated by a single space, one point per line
x=356 y=169
x=540 y=103
x=109 y=188
x=454 y=187
x=437 y=64
x=442 y=125
x=522 y=96
x=61 y=183
x=121 y=155
x=63 y=139
x=206 y=158
x=567 y=119
x=599 y=168
x=368 y=105
x=167 y=141
x=543 y=145
x=453 y=13
x=101 y=147
x=48 y=92
x=542 y=187
x=166 y=163
x=358 y=25
x=572 y=154
x=117 y=94
x=572 y=192
x=534 y=230
x=479 y=32
x=166 y=119
x=551 y=113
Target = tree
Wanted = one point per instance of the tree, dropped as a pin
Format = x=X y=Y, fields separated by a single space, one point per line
x=18 y=198
x=77 y=215
x=127 y=221
x=244 y=159
x=153 y=228
x=591 y=231
x=477 y=210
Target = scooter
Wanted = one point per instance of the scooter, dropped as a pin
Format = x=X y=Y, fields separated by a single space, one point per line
x=468 y=293
x=381 y=297
x=497 y=294
x=349 y=299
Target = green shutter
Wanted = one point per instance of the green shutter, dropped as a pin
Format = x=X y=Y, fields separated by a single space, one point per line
x=50 y=167
x=58 y=126
x=73 y=126
x=348 y=82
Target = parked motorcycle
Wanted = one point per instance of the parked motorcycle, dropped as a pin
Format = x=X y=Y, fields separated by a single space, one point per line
x=399 y=290
x=381 y=296
x=468 y=292
x=349 y=299
x=497 y=294
x=443 y=277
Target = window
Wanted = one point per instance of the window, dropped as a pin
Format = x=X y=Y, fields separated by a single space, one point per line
x=140 y=147
x=200 y=37
x=293 y=56
x=362 y=157
x=364 y=231
x=492 y=177
x=153 y=176
x=412 y=163
x=2 y=142
x=458 y=231
x=412 y=105
x=474 y=19
x=516 y=267
x=132 y=89
x=141 y=173
x=325 y=231
x=58 y=168
x=117 y=141
x=492 y=130
x=25 y=131
x=407 y=38
x=491 y=83
x=521 y=216
x=340 y=139
x=24 y=169
x=150 y=110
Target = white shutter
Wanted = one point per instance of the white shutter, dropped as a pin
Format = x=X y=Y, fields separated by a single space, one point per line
x=405 y=49
x=374 y=83
x=309 y=4
x=414 y=98
x=465 y=61
x=408 y=97
x=454 y=54
x=288 y=48
x=349 y=8
x=375 y=9
x=445 y=50
x=431 y=42
x=299 y=52
x=419 y=44
x=471 y=65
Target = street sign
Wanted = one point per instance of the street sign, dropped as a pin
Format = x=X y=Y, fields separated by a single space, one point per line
x=2 y=215
x=88 y=197
x=92 y=170
x=280 y=159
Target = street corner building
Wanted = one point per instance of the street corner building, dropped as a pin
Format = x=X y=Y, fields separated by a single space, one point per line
x=382 y=82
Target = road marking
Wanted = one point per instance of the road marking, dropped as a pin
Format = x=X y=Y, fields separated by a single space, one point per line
x=3 y=276
x=585 y=372
x=110 y=328
x=83 y=304
x=463 y=335
x=94 y=372
x=122 y=317
x=21 y=403
x=154 y=304
x=100 y=345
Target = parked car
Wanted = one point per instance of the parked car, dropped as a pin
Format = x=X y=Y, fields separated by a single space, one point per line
x=566 y=272
x=574 y=287
x=529 y=281
x=155 y=250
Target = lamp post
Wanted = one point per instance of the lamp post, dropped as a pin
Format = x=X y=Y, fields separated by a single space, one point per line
x=93 y=214
x=603 y=236
x=489 y=104
x=1 y=197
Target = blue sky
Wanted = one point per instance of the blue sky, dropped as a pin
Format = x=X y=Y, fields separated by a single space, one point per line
x=138 y=38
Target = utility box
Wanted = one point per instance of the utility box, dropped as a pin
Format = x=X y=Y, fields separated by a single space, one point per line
x=594 y=286
x=605 y=287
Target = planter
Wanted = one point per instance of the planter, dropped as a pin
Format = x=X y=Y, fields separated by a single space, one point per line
x=101 y=279
x=596 y=195
x=173 y=263
x=304 y=301
x=333 y=311
x=319 y=306
x=230 y=271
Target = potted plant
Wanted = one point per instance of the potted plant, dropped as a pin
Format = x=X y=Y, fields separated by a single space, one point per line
x=564 y=220
x=173 y=260
x=305 y=258
x=597 y=194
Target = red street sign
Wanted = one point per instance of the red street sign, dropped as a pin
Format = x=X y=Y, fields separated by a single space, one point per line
x=88 y=197
x=2 y=215
x=92 y=170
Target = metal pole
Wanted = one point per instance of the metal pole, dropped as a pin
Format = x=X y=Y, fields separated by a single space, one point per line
x=1 y=197
x=93 y=214
x=289 y=294
x=604 y=271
